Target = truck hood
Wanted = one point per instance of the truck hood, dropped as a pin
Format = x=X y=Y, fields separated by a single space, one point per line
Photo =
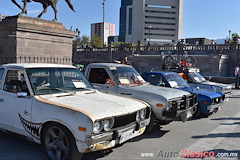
x=95 y=104
x=205 y=92
x=168 y=93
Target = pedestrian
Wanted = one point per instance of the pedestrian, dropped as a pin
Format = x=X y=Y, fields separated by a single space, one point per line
x=212 y=42
x=237 y=74
x=126 y=61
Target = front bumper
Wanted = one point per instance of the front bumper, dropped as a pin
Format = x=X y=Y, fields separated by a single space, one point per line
x=116 y=136
x=213 y=108
x=182 y=115
x=181 y=110
x=227 y=90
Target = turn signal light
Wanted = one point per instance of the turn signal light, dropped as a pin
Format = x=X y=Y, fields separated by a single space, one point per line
x=159 y=105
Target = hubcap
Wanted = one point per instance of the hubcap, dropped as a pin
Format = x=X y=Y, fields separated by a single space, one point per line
x=56 y=143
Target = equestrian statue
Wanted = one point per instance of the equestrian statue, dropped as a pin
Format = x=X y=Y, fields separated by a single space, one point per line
x=45 y=4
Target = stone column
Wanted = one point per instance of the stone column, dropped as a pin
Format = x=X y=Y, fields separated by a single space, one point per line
x=32 y=40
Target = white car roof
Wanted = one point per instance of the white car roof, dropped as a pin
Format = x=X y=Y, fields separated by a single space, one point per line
x=35 y=65
x=109 y=64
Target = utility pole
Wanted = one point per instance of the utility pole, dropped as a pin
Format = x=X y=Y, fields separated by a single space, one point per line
x=103 y=4
x=229 y=35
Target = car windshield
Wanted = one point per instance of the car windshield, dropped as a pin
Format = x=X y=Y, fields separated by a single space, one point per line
x=175 y=80
x=127 y=76
x=57 y=80
x=196 y=77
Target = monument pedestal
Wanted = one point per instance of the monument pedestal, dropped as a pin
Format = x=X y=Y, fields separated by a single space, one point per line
x=32 y=40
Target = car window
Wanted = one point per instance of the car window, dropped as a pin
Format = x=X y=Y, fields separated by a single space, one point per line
x=154 y=79
x=98 y=75
x=1 y=74
x=57 y=80
x=15 y=82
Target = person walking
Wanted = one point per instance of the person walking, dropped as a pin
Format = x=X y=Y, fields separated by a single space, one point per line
x=237 y=74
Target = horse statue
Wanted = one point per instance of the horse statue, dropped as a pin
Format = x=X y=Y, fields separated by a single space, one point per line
x=45 y=3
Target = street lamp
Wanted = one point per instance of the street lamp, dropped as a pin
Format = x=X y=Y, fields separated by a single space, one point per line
x=229 y=35
x=77 y=36
x=149 y=34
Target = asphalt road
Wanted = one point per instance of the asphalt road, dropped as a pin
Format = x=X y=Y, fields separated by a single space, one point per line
x=165 y=142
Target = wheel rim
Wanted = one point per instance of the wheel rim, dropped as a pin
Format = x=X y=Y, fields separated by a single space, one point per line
x=56 y=144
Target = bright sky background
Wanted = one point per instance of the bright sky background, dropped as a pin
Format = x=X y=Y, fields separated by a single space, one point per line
x=201 y=18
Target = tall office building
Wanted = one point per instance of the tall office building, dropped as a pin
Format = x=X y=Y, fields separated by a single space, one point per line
x=103 y=30
x=154 y=21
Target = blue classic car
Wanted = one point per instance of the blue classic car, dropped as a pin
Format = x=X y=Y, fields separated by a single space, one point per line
x=208 y=101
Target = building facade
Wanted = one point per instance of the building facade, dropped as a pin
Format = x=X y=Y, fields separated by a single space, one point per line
x=2 y=17
x=151 y=21
x=103 y=31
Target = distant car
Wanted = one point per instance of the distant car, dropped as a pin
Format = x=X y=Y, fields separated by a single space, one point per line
x=195 y=79
x=123 y=80
x=208 y=101
x=54 y=105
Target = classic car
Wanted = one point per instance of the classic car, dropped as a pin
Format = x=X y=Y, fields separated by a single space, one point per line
x=208 y=101
x=195 y=79
x=54 y=105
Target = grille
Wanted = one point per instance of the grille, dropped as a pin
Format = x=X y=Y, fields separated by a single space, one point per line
x=188 y=101
x=125 y=120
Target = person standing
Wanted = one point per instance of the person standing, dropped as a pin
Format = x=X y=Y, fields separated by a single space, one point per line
x=126 y=61
x=237 y=74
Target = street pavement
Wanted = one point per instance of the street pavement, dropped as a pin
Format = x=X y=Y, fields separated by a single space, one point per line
x=218 y=136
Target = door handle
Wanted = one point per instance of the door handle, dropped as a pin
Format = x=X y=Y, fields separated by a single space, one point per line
x=1 y=100
x=26 y=113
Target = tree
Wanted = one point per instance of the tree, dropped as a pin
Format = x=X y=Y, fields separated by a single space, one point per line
x=96 y=41
x=235 y=38
x=84 y=40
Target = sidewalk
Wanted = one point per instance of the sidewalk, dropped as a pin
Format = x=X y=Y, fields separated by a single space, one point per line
x=224 y=141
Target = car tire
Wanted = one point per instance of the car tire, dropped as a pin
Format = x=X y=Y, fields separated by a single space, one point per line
x=59 y=143
x=151 y=125
x=197 y=111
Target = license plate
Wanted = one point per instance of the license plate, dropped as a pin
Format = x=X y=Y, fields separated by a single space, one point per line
x=126 y=136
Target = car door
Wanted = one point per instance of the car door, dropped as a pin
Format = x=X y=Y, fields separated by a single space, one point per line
x=102 y=80
x=15 y=102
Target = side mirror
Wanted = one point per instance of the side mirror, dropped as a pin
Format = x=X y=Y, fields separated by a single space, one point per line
x=22 y=94
x=162 y=84
x=107 y=84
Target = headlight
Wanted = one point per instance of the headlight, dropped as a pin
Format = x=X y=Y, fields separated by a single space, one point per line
x=108 y=124
x=143 y=113
x=138 y=118
x=97 y=127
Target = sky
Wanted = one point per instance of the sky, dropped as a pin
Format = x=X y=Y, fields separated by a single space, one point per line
x=201 y=18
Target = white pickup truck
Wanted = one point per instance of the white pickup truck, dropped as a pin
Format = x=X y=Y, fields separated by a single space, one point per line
x=123 y=80
x=54 y=105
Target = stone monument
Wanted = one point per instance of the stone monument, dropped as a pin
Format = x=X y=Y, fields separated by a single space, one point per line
x=25 y=39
